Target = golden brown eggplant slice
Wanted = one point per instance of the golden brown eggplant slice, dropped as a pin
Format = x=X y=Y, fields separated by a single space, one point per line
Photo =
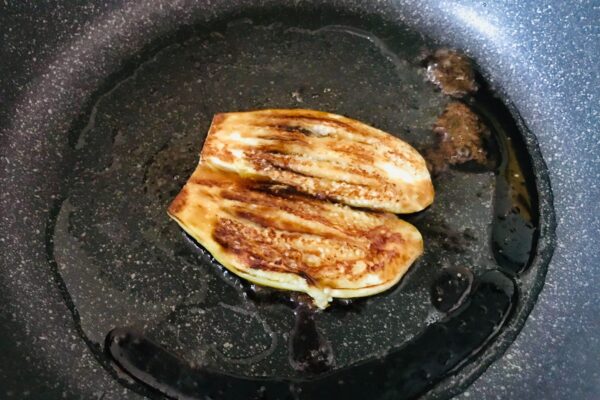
x=273 y=235
x=322 y=154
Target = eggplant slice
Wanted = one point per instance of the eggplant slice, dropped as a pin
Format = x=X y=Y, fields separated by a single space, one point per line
x=273 y=198
x=325 y=155
x=273 y=235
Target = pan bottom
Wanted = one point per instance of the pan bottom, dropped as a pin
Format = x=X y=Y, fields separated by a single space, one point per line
x=125 y=264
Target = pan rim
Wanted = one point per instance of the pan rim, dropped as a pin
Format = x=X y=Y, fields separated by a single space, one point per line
x=545 y=247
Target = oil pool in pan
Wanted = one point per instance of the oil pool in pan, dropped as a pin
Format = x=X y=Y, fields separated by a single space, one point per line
x=179 y=323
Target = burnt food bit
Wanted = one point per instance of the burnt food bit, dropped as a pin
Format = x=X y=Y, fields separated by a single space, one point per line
x=452 y=72
x=460 y=138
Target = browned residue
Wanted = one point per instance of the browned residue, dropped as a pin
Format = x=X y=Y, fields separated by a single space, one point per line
x=452 y=72
x=460 y=138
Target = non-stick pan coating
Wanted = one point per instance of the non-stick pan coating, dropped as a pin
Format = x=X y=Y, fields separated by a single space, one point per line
x=121 y=263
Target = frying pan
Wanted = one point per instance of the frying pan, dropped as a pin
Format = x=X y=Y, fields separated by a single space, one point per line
x=94 y=116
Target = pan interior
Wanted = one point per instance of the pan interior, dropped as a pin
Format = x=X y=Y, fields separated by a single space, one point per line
x=125 y=264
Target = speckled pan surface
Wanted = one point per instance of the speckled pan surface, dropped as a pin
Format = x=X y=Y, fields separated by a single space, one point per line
x=541 y=57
